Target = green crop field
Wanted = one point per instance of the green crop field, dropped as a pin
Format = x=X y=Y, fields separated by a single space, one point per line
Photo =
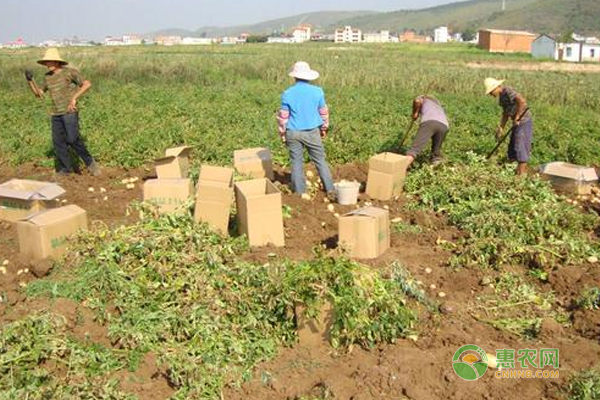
x=222 y=98
x=210 y=311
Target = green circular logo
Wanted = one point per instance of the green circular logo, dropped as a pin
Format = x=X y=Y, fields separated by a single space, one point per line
x=470 y=362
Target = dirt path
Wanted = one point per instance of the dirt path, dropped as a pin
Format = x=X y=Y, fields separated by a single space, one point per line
x=540 y=66
x=409 y=369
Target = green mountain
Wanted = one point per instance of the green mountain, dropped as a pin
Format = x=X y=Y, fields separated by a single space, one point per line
x=552 y=16
x=541 y=16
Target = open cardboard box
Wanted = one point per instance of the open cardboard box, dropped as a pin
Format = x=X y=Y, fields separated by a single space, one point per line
x=20 y=198
x=259 y=212
x=255 y=163
x=175 y=163
x=387 y=173
x=214 y=196
x=365 y=232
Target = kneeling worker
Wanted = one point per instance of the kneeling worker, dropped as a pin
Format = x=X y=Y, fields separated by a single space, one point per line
x=434 y=126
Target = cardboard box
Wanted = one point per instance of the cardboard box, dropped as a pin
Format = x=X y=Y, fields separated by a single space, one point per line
x=387 y=173
x=214 y=196
x=365 y=232
x=313 y=332
x=170 y=195
x=569 y=178
x=20 y=198
x=175 y=164
x=259 y=212
x=46 y=234
x=256 y=163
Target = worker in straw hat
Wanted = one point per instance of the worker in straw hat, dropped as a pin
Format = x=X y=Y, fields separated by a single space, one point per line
x=65 y=86
x=303 y=123
x=514 y=107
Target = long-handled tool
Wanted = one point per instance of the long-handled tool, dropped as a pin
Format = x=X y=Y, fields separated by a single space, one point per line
x=510 y=131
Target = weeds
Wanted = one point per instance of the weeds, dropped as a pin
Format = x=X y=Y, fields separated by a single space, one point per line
x=508 y=220
x=173 y=287
x=589 y=299
x=585 y=385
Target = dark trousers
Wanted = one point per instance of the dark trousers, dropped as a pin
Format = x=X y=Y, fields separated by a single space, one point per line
x=434 y=130
x=65 y=134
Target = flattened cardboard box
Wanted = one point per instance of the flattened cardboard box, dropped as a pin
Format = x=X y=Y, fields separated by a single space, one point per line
x=387 y=173
x=20 y=198
x=569 y=178
x=365 y=233
x=259 y=213
x=214 y=196
x=170 y=195
x=175 y=164
x=46 y=234
x=256 y=163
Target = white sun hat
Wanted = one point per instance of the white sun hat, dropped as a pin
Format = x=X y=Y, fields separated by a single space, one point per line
x=301 y=70
x=491 y=84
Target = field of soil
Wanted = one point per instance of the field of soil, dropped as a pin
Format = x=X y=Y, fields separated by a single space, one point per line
x=419 y=368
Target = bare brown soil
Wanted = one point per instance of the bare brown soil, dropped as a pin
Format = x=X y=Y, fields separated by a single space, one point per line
x=408 y=369
x=542 y=66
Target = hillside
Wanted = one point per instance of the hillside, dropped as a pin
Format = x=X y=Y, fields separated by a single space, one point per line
x=321 y=20
x=544 y=16
x=552 y=16
x=455 y=15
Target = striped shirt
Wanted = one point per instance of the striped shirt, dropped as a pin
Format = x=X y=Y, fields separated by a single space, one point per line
x=62 y=86
x=508 y=102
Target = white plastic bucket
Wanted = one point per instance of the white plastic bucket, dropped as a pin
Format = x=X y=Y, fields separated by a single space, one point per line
x=347 y=192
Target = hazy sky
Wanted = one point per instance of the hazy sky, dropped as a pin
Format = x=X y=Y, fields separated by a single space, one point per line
x=36 y=20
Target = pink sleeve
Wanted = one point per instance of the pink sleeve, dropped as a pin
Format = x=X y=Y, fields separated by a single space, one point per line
x=324 y=112
x=282 y=119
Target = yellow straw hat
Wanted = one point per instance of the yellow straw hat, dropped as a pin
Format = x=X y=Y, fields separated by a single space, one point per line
x=491 y=84
x=52 y=55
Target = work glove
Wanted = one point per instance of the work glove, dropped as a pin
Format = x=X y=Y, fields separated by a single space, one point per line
x=28 y=75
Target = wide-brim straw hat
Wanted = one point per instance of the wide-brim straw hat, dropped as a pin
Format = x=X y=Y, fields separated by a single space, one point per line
x=52 y=54
x=301 y=70
x=491 y=84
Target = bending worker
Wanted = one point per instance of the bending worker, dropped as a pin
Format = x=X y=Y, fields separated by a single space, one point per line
x=514 y=107
x=434 y=125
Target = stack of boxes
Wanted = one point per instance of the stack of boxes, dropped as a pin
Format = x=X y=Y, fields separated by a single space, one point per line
x=42 y=226
x=173 y=188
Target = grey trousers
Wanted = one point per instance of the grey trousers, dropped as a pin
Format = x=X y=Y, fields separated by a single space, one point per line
x=434 y=130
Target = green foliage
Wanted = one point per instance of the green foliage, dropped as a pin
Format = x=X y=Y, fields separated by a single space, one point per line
x=173 y=287
x=219 y=99
x=508 y=220
x=585 y=385
x=589 y=299
x=31 y=346
x=516 y=306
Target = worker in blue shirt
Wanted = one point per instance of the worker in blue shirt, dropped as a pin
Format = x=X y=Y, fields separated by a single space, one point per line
x=303 y=123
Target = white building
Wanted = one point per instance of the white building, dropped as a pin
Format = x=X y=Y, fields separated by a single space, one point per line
x=168 y=40
x=348 y=35
x=281 y=39
x=441 y=35
x=579 y=52
x=195 y=41
x=302 y=34
x=113 y=41
x=379 y=37
x=132 y=40
x=587 y=50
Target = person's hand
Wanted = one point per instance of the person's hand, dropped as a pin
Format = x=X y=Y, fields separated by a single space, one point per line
x=516 y=122
x=499 y=133
x=282 y=137
x=28 y=75
x=72 y=106
x=323 y=131
x=415 y=116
